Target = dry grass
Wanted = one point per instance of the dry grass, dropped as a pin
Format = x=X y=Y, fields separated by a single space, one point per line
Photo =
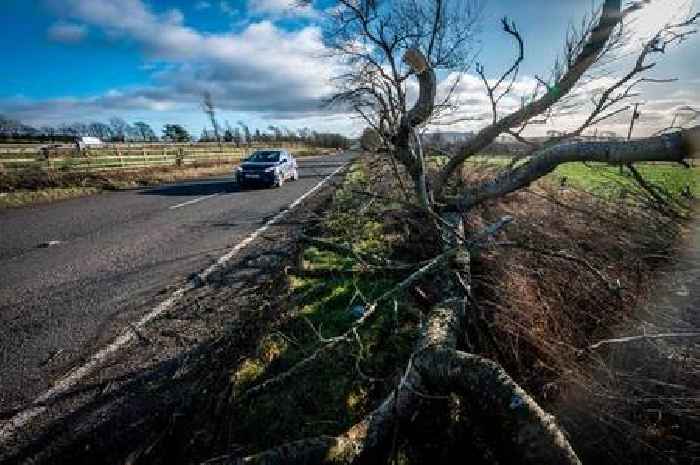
x=575 y=269
x=40 y=186
x=22 y=198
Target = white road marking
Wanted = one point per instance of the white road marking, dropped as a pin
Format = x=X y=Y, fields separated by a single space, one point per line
x=19 y=420
x=184 y=204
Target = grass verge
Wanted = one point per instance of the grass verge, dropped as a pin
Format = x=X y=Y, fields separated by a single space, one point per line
x=33 y=187
x=344 y=384
x=22 y=198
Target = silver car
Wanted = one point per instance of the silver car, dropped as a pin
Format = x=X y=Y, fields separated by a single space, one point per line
x=270 y=167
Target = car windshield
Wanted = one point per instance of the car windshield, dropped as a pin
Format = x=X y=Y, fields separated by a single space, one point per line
x=267 y=156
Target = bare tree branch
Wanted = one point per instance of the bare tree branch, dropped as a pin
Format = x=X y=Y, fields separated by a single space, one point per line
x=674 y=147
x=609 y=19
x=619 y=340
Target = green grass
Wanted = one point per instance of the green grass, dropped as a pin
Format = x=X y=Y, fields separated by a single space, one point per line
x=331 y=395
x=606 y=180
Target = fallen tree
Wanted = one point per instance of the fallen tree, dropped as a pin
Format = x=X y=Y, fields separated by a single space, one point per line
x=438 y=368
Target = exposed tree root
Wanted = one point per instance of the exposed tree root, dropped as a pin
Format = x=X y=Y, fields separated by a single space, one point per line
x=688 y=334
x=612 y=287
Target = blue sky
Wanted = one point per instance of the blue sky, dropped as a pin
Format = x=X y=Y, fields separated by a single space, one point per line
x=85 y=60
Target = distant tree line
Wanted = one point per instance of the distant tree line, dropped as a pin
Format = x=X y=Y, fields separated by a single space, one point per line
x=118 y=130
x=241 y=134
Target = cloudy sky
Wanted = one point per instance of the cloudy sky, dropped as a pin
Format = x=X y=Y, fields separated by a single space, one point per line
x=262 y=60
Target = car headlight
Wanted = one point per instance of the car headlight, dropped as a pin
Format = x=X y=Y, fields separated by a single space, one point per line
x=237 y=169
x=271 y=169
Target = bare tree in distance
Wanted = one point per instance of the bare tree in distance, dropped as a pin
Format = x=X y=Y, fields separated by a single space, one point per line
x=386 y=47
x=101 y=130
x=246 y=132
x=210 y=110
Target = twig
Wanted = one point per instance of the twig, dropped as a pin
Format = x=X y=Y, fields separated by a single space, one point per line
x=566 y=256
x=330 y=343
x=331 y=272
x=640 y=337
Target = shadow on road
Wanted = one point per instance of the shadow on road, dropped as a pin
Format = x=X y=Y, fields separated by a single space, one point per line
x=195 y=189
x=142 y=415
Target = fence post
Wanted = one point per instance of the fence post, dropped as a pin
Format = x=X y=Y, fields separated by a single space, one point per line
x=43 y=156
x=179 y=158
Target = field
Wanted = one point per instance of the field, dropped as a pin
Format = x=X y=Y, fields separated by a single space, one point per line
x=608 y=181
x=21 y=157
x=29 y=176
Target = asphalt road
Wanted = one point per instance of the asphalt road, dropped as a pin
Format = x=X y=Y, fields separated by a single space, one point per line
x=75 y=273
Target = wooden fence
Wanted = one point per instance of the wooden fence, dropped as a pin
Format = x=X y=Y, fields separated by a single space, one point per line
x=19 y=157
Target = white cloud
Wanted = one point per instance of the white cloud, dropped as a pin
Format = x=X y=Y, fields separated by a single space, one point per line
x=202 y=5
x=281 y=8
x=474 y=107
x=261 y=56
x=260 y=69
x=656 y=13
x=68 y=33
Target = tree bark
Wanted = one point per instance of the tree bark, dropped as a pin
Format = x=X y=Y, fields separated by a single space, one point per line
x=421 y=111
x=534 y=435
